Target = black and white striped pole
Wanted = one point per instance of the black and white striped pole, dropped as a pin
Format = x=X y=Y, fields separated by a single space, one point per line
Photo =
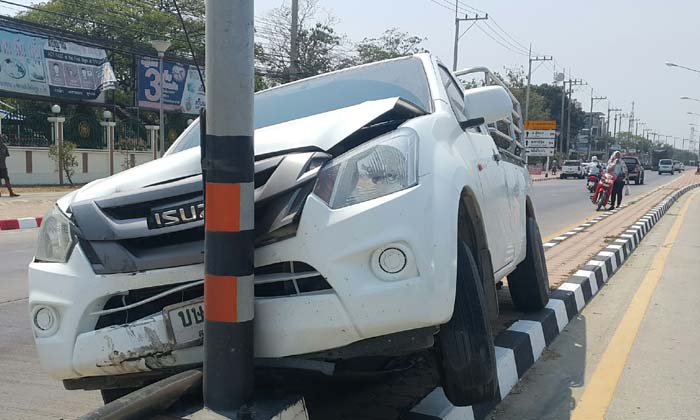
x=227 y=165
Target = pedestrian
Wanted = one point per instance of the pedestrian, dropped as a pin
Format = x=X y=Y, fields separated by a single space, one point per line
x=617 y=167
x=4 y=153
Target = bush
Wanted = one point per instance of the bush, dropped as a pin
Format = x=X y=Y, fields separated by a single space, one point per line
x=67 y=157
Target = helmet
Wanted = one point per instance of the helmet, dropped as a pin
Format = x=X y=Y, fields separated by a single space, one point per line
x=594 y=159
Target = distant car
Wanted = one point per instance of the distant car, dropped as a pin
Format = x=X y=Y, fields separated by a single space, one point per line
x=572 y=169
x=665 y=166
x=635 y=170
x=677 y=166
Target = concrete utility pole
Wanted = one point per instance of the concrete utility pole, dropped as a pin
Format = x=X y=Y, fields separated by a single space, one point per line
x=560 y=147
x=294 y=43
x=572 y=82
x=631 y=118
x=227 y=166
x=590 y=121
x=609 y=111
x=466 y=18
x=530 y=59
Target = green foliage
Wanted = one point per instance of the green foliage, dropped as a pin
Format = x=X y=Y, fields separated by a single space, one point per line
x=66 y=155
x=391 y=44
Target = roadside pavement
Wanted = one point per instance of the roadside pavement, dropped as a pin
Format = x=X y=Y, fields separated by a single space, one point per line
x=631 y=353
x=32 y=204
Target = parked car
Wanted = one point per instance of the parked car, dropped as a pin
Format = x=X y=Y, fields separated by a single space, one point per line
x=376 y=235
x=682 y=165
x=635 y=170
x=677 y=166
x=572 y=169
x=666 y=166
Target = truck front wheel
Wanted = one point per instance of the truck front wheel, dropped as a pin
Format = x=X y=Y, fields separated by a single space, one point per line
x=529 y=283
x=465 y=352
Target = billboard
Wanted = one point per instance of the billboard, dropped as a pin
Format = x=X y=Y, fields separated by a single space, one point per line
x=41 y=66
x=182 y=89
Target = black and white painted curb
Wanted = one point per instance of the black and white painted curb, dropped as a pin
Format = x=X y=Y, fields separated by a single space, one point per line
x=519 y=347
x=583 y=226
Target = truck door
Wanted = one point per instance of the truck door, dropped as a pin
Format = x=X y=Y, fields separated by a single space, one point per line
x=479 y=149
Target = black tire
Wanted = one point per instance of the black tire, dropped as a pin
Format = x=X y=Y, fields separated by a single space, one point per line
x=599 y=203
x=659 y=172
x=636 y=181
x=529 y=283
x=465 y=353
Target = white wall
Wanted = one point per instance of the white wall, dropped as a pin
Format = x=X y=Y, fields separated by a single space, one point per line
x=43 y=169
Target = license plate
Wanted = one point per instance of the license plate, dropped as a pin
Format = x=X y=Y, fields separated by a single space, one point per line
x=185 y=322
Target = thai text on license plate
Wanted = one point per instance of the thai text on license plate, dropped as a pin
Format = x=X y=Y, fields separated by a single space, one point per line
x=185 y=322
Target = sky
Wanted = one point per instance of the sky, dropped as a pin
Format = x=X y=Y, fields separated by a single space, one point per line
x=618 y=47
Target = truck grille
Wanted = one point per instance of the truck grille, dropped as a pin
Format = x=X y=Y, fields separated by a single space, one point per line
x=291 y=278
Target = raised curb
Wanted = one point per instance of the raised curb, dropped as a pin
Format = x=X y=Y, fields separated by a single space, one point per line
x=21 y=223
x=519 y=347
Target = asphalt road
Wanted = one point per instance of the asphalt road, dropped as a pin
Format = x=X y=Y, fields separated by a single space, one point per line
x=559 y=204
x=564 y=202
x=627 y=357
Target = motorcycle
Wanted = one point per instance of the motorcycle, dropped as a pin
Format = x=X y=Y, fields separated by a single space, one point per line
x=591 y=183
x=603 y=190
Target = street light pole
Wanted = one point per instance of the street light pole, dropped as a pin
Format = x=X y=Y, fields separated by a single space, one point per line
x=161 y=47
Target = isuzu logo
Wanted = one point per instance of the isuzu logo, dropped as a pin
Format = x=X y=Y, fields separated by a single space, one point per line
x=176 y=215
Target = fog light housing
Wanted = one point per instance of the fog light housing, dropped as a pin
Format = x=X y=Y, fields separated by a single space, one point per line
x=44 y=320
x=393 y=262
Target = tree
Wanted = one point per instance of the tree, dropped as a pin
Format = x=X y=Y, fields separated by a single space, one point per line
x=66 y=156
x=391 y=44
x=319 y=44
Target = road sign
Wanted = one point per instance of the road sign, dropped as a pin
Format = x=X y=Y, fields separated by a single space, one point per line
x=540 y=134
x=541 y=125
x=540 y=151
x=539 y=142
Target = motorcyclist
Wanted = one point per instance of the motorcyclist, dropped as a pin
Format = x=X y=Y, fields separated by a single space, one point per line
x=595 y=167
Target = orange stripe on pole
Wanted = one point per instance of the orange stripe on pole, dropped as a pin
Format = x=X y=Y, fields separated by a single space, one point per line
x=220 y=298
x=223 y=207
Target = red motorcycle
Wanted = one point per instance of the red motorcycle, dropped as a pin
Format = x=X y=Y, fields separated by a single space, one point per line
x=603 y=190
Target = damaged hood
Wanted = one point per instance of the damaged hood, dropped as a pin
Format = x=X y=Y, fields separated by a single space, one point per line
x=321 y=132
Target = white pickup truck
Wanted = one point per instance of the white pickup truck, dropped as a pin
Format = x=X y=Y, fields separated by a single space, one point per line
x=572 y=169
x=389 y=202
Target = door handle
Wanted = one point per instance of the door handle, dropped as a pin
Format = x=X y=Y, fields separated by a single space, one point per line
x=496 y=157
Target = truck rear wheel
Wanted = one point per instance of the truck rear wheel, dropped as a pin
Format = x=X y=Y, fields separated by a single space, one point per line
x=529 y=283
x=465 y=352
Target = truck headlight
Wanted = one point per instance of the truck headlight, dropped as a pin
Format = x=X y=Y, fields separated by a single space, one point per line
x=56 y=240
x=379 y=167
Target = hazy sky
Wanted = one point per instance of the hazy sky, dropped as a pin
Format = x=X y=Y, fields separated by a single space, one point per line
x=618 y=46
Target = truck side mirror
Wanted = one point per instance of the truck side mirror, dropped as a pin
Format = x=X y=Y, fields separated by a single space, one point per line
x=486 y=105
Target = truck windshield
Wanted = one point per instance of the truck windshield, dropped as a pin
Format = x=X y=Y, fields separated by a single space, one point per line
x=572 y=163
x=404 y=78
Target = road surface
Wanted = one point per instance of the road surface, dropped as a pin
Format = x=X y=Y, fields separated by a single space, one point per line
x=623 y=357
x=559 y=204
